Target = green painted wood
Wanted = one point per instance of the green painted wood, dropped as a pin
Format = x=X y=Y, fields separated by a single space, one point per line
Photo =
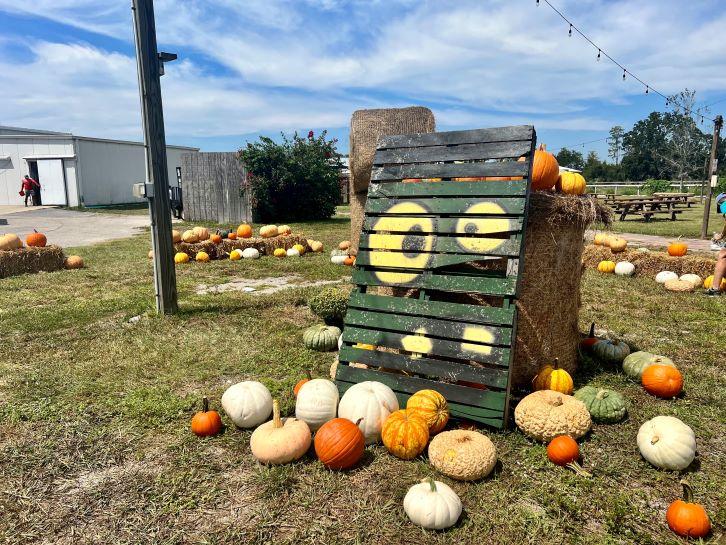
x=430 y=346
x=459 y=206
x=433 y=309
x=472 y=245
x=449 y=370
x=461 y=152
x=448 y=138
x=449 y=170
x=437 y=261
x=412 y=279
x=448 y=189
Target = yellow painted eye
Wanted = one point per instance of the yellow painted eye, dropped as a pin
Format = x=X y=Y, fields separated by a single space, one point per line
x=482 y=226
x=417 y=343
x=477 y=334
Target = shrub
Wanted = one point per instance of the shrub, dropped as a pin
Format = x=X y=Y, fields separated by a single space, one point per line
x=330 y=304
x=294 y=180
x=656 y=186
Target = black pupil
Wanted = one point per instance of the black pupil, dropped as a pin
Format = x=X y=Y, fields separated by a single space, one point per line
x=413 y=244
x=470 y=229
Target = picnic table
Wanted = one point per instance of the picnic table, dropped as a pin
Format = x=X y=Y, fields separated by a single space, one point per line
x=646 y=207
x=689 y=199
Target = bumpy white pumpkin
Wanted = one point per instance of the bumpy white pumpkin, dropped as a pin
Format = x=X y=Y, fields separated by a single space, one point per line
x=373 y=402
x=317 y=402
x=247 y=403
x=692 y=279
x=338 y=259
x=250 y=253
x=624 y=268
x=432 y=504
x=667 y=443
x=663 y=276
x=292 y=252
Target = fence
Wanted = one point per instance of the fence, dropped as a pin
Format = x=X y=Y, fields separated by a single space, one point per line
x=215 y=188
x=634 y=188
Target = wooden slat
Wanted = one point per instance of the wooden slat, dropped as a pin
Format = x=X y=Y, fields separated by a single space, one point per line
x=448 y=189
x=419 y=344
x=464 y=152
x=499 y=134
x=475 y=246
x=415 y=279
x=450 y=370
x=434 y=309
x=437 y=261
x=462 y=206
x=450 y=170
x=448 y=225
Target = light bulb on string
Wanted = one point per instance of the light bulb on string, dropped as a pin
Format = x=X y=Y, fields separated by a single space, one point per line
x=570 y=31
x=598 y=55
x=624 y=74
x=537 y=3
x=646 y=89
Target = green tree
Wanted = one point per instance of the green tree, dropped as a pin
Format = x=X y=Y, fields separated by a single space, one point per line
x=570 y=159
x=644 y=147
x=615 y=143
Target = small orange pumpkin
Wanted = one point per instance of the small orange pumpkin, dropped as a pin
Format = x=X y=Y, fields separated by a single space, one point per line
x=662 y=381
x=339 y=443
x=675 y=249
x=206 y=422
x=244 y=231
x=686 y=518
x=232 y=235
x=301 y=382
x=349 y=261
x=564 y=451
x=36 y=239
x=405 y=434
x=545 y=171
x=216 y=238
x=588 y=342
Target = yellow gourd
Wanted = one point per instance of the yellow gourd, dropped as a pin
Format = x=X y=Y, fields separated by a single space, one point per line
x=551 y=377
x=606 y=267
x=571 y=183
x=202 y=257
x=181 y=257
x=279 y=252
x=300 y=248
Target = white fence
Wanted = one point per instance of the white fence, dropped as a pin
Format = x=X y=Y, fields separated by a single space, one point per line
x=691 y=186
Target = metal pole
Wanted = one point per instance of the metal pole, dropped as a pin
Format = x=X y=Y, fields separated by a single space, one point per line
x=710 y=172
x=149 y=67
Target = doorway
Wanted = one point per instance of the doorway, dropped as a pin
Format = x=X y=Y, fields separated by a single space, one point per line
x=51 y=176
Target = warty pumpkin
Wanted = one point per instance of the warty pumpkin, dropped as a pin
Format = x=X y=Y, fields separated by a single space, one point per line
x=432 y=406
x=693 y=279
x=545 y=170
x=600 y=239
x=281 y=440
x=405 y=434
x=316 y=246
x=36 y=239
x=250 y=253
x=551 y=377
x=344 y=245
x=571 y=183
x=206 y=423
x=190 y=237
x=678 y=285
x=604 y=405
x=662 y=381
x=667 y=443
x=369 y=403
x=686 y=518
x=201 y=232
x=339 y=444
x=268 y=231
x=247 y=403
x=74 y=262
x=432 y=505
x=545 y=414
x=463 y=455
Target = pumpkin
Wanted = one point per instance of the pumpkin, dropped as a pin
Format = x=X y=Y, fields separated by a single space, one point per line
x=181 y=257
x=663 y=276
x=268 y=231
x=202 y=257
x=463 y=455
x=292 y=252
x=235 y=255
x=604 y=405
x=284 y=230
x=551 y=377
x=432 y=406
x=344 y=245
x=190 y=237
x=321 y=337
x=618 y=245
x=692 y=278
x=10 y=242
x=175 y=236
x=151 y=254
x=349 y=261
x=36 y=239
x=667 y=443
x=545 y=414
x=662 y=381
x=634 y=364
x=369 y=403
x=611 y=351
x=564 y=451
x=571 y=183
x=678 y=285
x=216 y=238
x=244 y=231
x=624 y=268
x=300 y=248
x=202 y=233
x=339 y=444
x=545 y=171
x=600 y=239
x=606 y=267
x=432 y=505
x=405 y=434
x=338 y=259
x=279 y=252
x=316 y=246
x=74 y=262
x=247 y=403
x=588 y=342
x=317 y=402
x=250 y=253
x=281 y=440
x=299 y=383
x=206 y=422
x=688 y=519
x=232 y=235
x=708 y=283
x=677 y=249
x=224 y=233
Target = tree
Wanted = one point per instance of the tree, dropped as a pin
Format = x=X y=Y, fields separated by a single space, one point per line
x=570 y=159
x=615 y=143
x=643 y=146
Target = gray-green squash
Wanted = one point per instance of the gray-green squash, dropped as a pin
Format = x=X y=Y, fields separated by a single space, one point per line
x=323 y=338
x=634 y=364
x=611 y=351
x=604 y=405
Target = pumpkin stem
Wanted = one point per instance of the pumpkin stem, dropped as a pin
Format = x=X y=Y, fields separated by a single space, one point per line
x=601 y=393
x=205 y=404
x=654 y=439
x=357 y=422
x=557 y=402
x=432 y=483
x=592 y=330
x=557 y=364
x=276 y=420
x=578 y=469
x=309 y=374
x=687 y=491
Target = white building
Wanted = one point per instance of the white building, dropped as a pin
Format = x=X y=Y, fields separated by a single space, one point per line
x=75 y=170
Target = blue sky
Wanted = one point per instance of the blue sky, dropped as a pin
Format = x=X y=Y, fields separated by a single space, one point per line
x=263 y=66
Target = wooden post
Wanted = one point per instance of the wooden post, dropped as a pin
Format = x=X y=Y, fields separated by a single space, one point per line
x=149 y=66
x=711 y=171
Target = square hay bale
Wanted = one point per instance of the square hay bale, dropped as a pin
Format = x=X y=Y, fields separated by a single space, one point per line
x=31 y=260
x=266 y=246
x=651 y=262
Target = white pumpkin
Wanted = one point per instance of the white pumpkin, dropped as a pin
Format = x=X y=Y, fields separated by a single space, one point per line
x=373 y=402
x=692 y=279
x=624 y=268
x=250 y=253
x=432 y=504
x=667 y=443
x=663 y=276
x=317 y=402
x=247 y=403
x=338 y=259
x=292 y=252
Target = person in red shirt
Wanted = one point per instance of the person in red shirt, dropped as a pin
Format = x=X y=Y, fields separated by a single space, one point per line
x=28 y=188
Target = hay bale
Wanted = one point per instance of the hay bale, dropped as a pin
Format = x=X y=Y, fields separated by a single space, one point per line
x=31 y=260
x=357 y=214
x=266 y=246
x=651 y=263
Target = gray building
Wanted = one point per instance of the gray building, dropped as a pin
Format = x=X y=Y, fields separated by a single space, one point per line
x=75 y=170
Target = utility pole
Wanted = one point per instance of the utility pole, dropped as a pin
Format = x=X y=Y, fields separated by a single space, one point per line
x=711 y=174
x=149 y=63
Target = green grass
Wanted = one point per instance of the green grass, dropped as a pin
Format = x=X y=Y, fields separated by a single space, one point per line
x=688 y=224
x=94 y=415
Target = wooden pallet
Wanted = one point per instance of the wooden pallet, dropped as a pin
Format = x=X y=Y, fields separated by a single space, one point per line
x=430 y=240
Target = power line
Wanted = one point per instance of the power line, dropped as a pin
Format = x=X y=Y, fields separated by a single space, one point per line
x=573 y=146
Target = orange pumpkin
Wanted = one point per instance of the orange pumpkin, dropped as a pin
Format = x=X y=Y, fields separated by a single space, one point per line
x=339 y=443
x=676 y=249
x=36 y=239
x=432 y=406
x=232 y=235
x=662 y=381
x=216 y=238
x=563 y=450
x=244 y=231
x=206 y=422
x=349 y=261
x=545 y=170
x=588 y=342
x=300 y=383
x=686 y=518
x=405 y=434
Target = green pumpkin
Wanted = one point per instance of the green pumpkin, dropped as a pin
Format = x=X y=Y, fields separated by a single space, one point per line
x=604 y=405
x=634 y=364
x=611 y=351
x=323 y=338
x=224 y=233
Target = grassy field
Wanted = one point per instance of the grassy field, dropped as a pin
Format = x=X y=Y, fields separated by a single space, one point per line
x=688 y=224
x=94 y=415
